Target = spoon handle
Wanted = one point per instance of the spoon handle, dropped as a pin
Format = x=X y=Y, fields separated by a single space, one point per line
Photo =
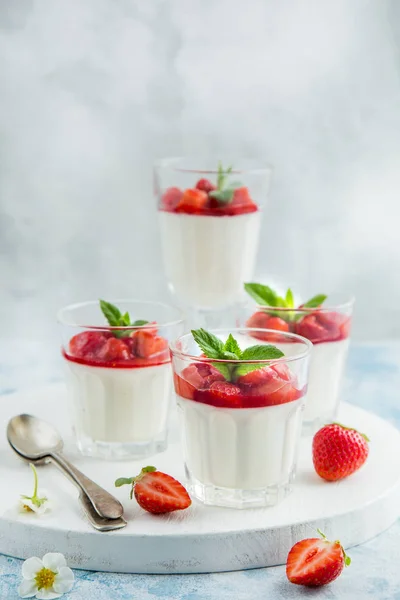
x=103 y=502
x=95 y=520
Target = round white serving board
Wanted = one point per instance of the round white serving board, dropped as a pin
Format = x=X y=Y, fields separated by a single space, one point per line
x=200 y=539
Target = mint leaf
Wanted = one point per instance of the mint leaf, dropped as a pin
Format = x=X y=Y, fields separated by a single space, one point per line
x=111 y=313
x=225 y=369
x=315 y=301
x=139 y=322
x=262 y=352
x=232 y=346
x=223 y=196
x=222 y=175
x=212 y=346
x=262 y=294
x=289 y=299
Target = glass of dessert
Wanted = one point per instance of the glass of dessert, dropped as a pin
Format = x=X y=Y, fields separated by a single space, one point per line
x=118 y=374
x=206 y=212
x=241 y=409
x=326 y=322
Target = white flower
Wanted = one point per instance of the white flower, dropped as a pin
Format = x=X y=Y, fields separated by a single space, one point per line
x=47 y=578
x=38 y=502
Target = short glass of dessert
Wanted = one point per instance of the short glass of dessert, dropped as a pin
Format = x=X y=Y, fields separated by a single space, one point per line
x=118 y=374
x=241 y=408
x=210 y=217
x=326 y=322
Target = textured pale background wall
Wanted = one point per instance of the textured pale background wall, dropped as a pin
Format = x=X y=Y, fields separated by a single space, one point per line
x=93 y=90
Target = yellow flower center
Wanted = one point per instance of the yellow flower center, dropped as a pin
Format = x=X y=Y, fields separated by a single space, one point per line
x=45 y=578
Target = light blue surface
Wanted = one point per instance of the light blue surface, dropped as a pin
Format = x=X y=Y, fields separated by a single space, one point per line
x=373 y=382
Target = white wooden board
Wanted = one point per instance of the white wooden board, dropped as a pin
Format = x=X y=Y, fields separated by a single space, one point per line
x=201 y=539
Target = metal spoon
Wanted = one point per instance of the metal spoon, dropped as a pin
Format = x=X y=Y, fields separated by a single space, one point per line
x=37 y=440
x=94 y=519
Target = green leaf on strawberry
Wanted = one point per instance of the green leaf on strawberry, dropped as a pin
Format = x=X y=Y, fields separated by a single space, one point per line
x=213 y=347
x=116 y=319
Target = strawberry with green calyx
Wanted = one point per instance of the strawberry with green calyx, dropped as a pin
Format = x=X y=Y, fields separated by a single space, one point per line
x=338 y=451
x=314 y=562
x=156 y=492
x=215 y=348
x=116 y=319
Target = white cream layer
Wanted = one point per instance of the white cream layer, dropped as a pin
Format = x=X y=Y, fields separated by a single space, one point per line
x=208 y=258
x=240 y=448
x=120 y=405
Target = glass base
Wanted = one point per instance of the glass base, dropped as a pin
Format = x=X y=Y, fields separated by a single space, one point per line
x=212 y=495
x=122 y=450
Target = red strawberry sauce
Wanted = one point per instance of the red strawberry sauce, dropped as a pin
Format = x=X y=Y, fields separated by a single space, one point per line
x=267 y=386
x=102 y=349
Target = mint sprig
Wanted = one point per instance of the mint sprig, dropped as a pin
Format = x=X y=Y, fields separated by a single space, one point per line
x=224 y=192
x=116 y=319
x=213 y=347
x=266 y=296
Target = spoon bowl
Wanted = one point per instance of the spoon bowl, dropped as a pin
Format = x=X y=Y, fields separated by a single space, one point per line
x=33 y=438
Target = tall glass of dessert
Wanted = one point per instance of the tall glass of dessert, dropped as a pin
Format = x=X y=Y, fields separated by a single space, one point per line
x=210 y=216
x=241 y=405
x=325 y=320
x=118 y=375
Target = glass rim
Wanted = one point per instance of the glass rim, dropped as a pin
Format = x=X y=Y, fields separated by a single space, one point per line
x=328 y=308
x=283 y=359
x=175 y=163
x=62 y=320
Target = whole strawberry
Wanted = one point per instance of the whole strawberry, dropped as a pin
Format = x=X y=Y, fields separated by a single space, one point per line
x=338 y=451
x=157 y=492
x=314 y=562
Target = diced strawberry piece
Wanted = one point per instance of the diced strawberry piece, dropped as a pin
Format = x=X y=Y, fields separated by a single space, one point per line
x=221 y=394
x=183 y=388
x=314 y=562
x=269 y=386
x=201 y=375
x=192 y=201
x=240 y=203
x=241 y=196
x=171 y=198
x=205 y=186
x=321 y=326
x=114 y=349
x=149 y=345
x=159 y=493
x=257 y=377
x=88 y=343
x=261 y=320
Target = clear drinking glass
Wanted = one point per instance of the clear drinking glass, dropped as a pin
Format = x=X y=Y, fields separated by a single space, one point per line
x=328 y=328
x=240 y=438
x=119 y=378
x=210 y=221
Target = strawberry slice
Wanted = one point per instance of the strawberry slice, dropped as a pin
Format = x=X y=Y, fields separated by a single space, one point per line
x=113 y=350
x=262 y=320
x=221 y=394
x=205 y=186
x=157 y=492
x=88 y=344
x=269 y=386
x=314 y=562
x=322 y=326
x=192 y=202
x=171 y=199
x=148 y=345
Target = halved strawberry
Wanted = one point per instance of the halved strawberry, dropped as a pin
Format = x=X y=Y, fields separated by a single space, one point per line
x=171 y=198
x=88 y=343
x=221 y=394
x=157 y=492
x=262 y=320
x=205 y=186
x=314 y=562
x=192 y=201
